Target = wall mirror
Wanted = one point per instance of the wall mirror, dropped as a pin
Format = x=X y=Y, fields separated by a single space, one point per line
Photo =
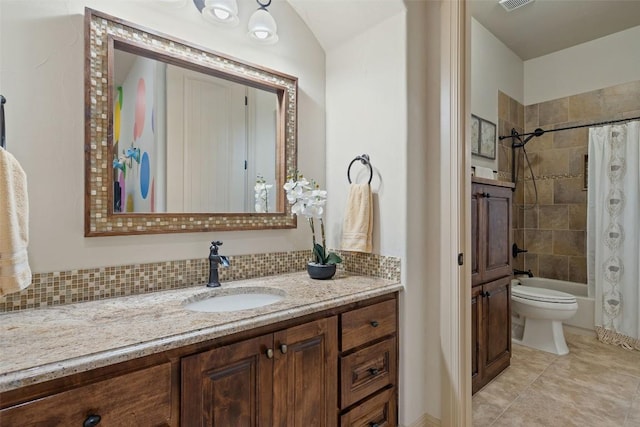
x=179 y=138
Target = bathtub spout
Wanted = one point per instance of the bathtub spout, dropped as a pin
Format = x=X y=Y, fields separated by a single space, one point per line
x=517 y=272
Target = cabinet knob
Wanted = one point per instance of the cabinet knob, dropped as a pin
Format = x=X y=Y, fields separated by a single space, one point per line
x=485 y=294
x=487 y=195
x=283 y=348
x=374 y=323
x=269 y=353
x=374 y=425
x=92 y=421
x=374 y=371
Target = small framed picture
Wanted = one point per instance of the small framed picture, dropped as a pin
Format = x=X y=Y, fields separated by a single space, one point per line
x=475 y=135
x=483 y=137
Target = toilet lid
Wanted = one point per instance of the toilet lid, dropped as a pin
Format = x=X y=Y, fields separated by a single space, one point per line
x=542 y=294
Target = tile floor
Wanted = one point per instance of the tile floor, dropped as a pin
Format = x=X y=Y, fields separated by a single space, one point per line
x=595 y=385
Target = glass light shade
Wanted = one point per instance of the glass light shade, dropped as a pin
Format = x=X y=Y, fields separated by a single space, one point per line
x=262 y=27
x=221 y=12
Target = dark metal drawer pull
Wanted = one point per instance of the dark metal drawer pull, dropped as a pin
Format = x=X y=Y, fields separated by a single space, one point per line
x=374 y=371
x=92 y=421
x=375 y=323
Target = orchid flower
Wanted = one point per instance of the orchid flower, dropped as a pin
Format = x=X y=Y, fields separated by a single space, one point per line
x=262 y=195
x=307 y=200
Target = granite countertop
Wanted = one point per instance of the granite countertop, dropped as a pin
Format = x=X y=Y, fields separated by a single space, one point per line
x=44 y=344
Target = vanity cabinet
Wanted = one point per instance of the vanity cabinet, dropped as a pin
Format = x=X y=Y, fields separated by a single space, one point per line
x=325 y=369
x=491 y=272
x=288 y=378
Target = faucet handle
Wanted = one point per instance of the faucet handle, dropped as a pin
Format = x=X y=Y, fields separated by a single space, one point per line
x=214 y=247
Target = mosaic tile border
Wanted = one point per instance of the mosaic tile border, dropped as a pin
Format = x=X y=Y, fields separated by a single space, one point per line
x=101 y=29
x=66 y=287
x=559 y=176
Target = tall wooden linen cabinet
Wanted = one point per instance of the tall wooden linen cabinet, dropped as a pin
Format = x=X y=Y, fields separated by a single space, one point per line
x=491 y=273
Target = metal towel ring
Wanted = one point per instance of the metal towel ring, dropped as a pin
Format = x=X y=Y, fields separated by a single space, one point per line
x=3 y=142
x=364 y=159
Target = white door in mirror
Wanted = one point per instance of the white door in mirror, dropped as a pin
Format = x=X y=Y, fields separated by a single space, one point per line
x=235 y=302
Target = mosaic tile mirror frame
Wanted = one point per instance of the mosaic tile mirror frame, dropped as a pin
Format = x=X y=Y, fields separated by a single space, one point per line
x=101 y=32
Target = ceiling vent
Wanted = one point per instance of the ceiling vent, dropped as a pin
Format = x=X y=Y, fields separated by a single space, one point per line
x=510 y=5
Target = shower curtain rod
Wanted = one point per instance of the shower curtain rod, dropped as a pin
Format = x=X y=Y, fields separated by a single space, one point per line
x=540 y=132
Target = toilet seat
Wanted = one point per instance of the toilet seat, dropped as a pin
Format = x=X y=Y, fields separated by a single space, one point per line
x=542 y=295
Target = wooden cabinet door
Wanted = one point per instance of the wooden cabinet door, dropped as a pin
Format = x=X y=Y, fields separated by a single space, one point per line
x=476 y=336
x=497 y=232
x=229 y=386
x=490 y=233
x=496 y=307
x=305 y=378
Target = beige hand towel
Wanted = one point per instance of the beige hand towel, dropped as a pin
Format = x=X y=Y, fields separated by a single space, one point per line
x=357 y=228
x=15 y=273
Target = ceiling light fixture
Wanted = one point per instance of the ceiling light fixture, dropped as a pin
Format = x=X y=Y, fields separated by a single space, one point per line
x=262 y=26
x=221 y=12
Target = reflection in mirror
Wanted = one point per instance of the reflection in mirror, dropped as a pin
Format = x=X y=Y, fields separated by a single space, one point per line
x=186 y=141
x=171 y=145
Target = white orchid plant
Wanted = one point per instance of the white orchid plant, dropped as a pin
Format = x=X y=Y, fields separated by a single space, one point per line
x=262 y=194
x=306 y=199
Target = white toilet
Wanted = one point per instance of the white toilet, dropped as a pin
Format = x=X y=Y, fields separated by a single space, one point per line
x=540 y=313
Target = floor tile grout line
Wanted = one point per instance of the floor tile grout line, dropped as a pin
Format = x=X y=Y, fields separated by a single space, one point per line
x=634 y=396
x=523 y=391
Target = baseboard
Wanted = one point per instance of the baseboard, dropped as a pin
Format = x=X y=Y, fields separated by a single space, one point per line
x=579 y=331
x=426 y=421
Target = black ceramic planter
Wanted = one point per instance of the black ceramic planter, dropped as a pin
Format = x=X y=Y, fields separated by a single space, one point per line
x=321 y=271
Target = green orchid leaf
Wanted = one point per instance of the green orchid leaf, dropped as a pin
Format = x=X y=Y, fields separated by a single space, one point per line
x=333 y=258
x=318 y=251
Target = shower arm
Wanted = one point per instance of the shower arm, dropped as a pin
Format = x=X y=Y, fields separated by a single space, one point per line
x=516 y=136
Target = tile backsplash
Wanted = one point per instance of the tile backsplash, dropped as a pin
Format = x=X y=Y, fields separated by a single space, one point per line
x=66 y=287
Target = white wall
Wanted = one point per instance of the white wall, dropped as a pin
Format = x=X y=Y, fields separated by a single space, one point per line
x=494 y=67
x=420 y=362
x=42 y=69
x=366 y=113
x=600 y=63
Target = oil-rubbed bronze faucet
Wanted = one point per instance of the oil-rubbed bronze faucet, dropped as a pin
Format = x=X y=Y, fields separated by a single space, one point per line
x=214 y=261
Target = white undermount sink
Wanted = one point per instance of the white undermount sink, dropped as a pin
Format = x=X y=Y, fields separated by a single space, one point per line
x=226 y=300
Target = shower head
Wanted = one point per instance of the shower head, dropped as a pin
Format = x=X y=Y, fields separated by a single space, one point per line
x=510 y=5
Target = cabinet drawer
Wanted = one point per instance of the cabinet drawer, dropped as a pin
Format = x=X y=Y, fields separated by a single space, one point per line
x=367 y=371
x=141 y=398
x=379 y=411
x=368 y=323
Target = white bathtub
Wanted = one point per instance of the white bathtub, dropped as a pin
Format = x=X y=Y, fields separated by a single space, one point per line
x=585 y=317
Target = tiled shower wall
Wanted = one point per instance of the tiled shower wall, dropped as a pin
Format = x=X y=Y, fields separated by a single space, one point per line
x=554 y=230
x=511 y=116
